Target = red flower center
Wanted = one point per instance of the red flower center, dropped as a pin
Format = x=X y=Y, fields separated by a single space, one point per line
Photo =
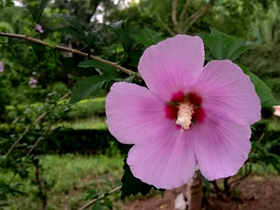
x=188 y=104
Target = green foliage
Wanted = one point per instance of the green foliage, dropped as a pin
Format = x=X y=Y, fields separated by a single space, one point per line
x=71 y=64
x=67 y=178
x=88 y=87
x=124 y=35
x=132 y=185
x=106 y=68
x=147 y=37
x=76 y=30
x=263 y=91
x=223 y=46
x=37 y=11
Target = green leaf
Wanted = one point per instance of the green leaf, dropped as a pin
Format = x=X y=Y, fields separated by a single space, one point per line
x=37 y=12
x=124 y=35
x=74 y=23
x=91 y=37
x=97 y=206
x=43 y=4
x=108 y=203
x=72 y=65
x=106 y=68
x=92 y=194
x=76 y=30
x=32 y=11
x=132 y=185
x=223 y=46
x=127 y=79
x=71 y=31
x=263 y=91
x=147 y=37
x=87 y=87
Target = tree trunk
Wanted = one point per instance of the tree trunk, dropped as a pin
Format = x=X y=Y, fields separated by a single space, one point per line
x=194 y=192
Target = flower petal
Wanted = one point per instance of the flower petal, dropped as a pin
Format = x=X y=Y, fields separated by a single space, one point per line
x=133 y=112
x=228 y=93
x=172 y=65
x=168 y=163
x=221 y=147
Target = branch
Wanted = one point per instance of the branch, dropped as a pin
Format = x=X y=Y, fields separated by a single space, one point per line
x=34 y=122
x=165 y=26
x=41 y=186
x=174 y=12
x=237 y=181
x=100 y=197
x=196 y=15
x=38 y=140
x=66 y=49
x=184 y=11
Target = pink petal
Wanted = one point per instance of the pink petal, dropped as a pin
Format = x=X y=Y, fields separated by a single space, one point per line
x=172 y=65
x=133 y=113
x=166 y=161
x=221 y=147
x=228 y=93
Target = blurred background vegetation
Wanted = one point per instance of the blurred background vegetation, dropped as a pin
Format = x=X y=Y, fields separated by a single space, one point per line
x=33 y=82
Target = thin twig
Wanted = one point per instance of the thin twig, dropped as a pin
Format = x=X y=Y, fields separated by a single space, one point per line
x=38 y=140
x=100 y=197
x=261 y=137
x=184 y=11
x=165 y=26
x=66 y=49
x=237 y=181
x=34 y=122
x=195 y=16
x=174 y=13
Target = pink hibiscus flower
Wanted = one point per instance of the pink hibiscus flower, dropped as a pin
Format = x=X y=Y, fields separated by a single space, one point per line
x=188 y=115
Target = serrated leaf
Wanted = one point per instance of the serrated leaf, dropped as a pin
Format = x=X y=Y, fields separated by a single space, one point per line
x=108 y=203
x=74 y=23
x=43 y=4
x=32 y=11
x=37 y=11
x=87 y=87
x=36 y=46
x=223 y=46
x=109 y=70
x=147 y=37
x=92 y=194
x=71 y=31
x=72 y=65
x=132 y=185
x=263 y=91
x=91 y=37
x=124 y=35
x=97 y=206
x=127 y=79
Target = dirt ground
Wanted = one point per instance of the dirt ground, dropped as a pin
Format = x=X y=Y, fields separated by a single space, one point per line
x=256 y=193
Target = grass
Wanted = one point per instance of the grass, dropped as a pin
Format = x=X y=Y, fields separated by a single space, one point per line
x=67 y=180
x=87 y=123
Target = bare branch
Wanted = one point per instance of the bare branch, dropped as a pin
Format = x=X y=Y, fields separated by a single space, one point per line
x=165 y=26
x=34 y=122
x=184 y=11
x=194 y=17
x=66 y=49
x=174 y=12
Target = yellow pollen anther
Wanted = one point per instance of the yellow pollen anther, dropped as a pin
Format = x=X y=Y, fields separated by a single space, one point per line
x=184 y=115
